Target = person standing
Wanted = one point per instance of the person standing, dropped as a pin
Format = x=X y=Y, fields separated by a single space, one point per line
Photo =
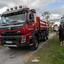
x=61 y=34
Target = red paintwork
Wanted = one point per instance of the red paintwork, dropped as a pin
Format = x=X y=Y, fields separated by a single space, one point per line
x=29 y=28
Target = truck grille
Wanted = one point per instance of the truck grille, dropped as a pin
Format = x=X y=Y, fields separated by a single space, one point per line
x=11 y=36
x=10 y=28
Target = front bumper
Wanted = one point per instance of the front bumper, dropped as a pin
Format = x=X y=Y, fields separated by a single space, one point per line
x=13 y=40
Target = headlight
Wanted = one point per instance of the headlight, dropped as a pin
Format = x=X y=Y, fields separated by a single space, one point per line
x=23 y=40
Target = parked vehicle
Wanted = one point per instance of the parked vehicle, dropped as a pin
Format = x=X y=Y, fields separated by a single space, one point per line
x=55 y=26
x=21 y=27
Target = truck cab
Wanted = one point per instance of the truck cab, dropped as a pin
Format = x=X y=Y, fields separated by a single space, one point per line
x=21 y=27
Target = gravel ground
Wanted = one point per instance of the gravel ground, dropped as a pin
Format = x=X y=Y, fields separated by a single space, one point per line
x=16 y=56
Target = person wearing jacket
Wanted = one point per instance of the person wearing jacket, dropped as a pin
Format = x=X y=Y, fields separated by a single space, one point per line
x=61 y=34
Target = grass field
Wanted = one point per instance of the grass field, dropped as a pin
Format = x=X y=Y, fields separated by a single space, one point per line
x=50 y=53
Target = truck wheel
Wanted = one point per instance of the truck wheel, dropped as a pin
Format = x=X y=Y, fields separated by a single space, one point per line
x=43 y=38
x=35 y=44
x=46 y=37
x=43 y=35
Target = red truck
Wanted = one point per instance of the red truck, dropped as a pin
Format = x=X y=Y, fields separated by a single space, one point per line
x=21 y=27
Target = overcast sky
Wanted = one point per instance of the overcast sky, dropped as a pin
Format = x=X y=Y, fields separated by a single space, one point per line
x=40 y=5
x=32 y=3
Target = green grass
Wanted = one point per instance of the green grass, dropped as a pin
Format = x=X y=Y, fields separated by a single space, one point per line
x=51 y=30
x=51 y=53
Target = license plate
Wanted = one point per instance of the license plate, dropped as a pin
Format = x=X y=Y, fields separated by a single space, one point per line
x=8 y=42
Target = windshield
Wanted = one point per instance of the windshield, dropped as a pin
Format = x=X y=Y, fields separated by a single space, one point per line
x=13 y=19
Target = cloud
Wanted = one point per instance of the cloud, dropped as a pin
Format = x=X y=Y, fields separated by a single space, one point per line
x=54 y=7
x=58 y=10
x=2 y=5
x=3 y=10
x=39 y=5
x=30 y=3
x=55 y=16
x=36 y=4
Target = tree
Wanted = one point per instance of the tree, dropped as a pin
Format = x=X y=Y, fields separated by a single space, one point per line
x=46 y=14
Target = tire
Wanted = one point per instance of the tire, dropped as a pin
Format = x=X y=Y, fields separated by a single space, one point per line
x=35 y=44
x=43 y=38
x=46 y=37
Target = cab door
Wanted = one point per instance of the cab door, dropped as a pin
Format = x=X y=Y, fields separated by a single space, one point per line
x=30 y=21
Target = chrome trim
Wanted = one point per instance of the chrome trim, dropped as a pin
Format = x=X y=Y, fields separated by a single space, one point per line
x=11 y=26
x=11 y=45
